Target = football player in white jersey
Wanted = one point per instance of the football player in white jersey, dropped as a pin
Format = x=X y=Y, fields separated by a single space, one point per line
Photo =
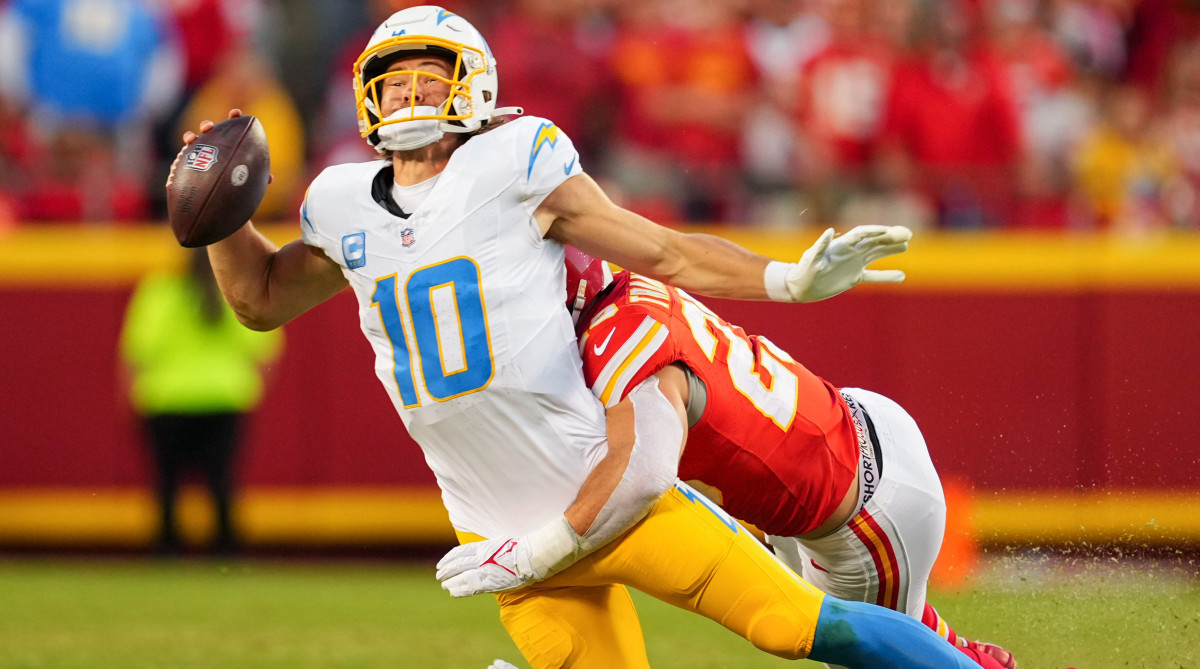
x=453 y=246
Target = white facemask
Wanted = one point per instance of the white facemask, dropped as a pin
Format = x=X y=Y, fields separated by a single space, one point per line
x=408 y=135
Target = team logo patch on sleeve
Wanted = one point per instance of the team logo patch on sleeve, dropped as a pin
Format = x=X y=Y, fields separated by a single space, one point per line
x=201 y=157
x=546 y=135
x=354 y=249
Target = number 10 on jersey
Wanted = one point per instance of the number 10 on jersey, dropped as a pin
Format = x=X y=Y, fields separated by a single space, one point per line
x=450 y=334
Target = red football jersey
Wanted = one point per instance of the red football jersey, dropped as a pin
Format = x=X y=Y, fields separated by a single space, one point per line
x=776 y=440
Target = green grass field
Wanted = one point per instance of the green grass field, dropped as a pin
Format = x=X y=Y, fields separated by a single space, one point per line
x=140 y=614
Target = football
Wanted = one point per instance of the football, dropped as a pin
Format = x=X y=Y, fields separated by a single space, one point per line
x=217 y=181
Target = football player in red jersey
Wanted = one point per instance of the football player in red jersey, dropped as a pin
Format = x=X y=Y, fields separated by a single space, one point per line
x=839 y=479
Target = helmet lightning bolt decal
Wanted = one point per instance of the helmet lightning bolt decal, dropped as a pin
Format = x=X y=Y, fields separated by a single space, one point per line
x=547 y=133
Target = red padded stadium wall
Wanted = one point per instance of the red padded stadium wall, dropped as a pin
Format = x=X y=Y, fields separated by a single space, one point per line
x=1012 y=390
x=1020 y=390
x=324 y=421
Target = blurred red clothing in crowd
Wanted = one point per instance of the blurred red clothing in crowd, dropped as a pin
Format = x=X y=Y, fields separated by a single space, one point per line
x=1156 y=28
x=687 y=85
x=49 y=199
x=205 y=31
x=1036 y=65
x=547 y=69
x=75 y=178
x=748 y=111
x=951 y=115
x=14 y=154
x=952 y=120
x=843 y=94
x=685 y=81
x=844 y=87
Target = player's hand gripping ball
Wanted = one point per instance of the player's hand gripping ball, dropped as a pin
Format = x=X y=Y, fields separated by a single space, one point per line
x=217 y=181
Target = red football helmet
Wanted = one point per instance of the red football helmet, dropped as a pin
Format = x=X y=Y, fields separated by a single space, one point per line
x=586 y=277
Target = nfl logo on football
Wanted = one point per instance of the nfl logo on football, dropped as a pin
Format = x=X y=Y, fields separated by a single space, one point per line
x=201 y=157
x=407 y=237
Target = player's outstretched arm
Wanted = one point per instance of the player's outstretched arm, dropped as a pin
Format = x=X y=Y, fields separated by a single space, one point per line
x=646 y=432
x=579 y=213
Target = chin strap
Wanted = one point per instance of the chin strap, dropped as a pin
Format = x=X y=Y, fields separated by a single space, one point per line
x=507 y=111
x=455 y=127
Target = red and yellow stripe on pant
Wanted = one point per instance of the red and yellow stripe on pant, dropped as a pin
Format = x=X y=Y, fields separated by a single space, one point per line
x=686 y=552
x=866 y=528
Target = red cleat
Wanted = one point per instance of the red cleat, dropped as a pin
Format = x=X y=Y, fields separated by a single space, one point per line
x=1003 y=657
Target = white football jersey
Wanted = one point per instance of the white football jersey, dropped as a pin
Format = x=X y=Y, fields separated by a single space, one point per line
x=463 y=304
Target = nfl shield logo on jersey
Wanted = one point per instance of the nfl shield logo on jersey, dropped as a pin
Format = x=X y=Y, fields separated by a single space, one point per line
x=201 y=157
x=407 y=237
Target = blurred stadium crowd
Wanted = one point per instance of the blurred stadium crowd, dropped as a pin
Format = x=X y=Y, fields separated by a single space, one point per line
x=1061 y=114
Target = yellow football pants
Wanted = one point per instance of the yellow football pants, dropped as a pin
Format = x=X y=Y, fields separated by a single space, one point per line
x=686 y=552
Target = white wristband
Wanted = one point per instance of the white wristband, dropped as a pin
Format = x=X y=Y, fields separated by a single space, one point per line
x=552 y=547
x=775 y=281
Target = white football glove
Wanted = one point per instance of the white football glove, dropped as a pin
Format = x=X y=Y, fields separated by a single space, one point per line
x=498 y=565
x=492 y=565
x=501 y=664
x=836 y=264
